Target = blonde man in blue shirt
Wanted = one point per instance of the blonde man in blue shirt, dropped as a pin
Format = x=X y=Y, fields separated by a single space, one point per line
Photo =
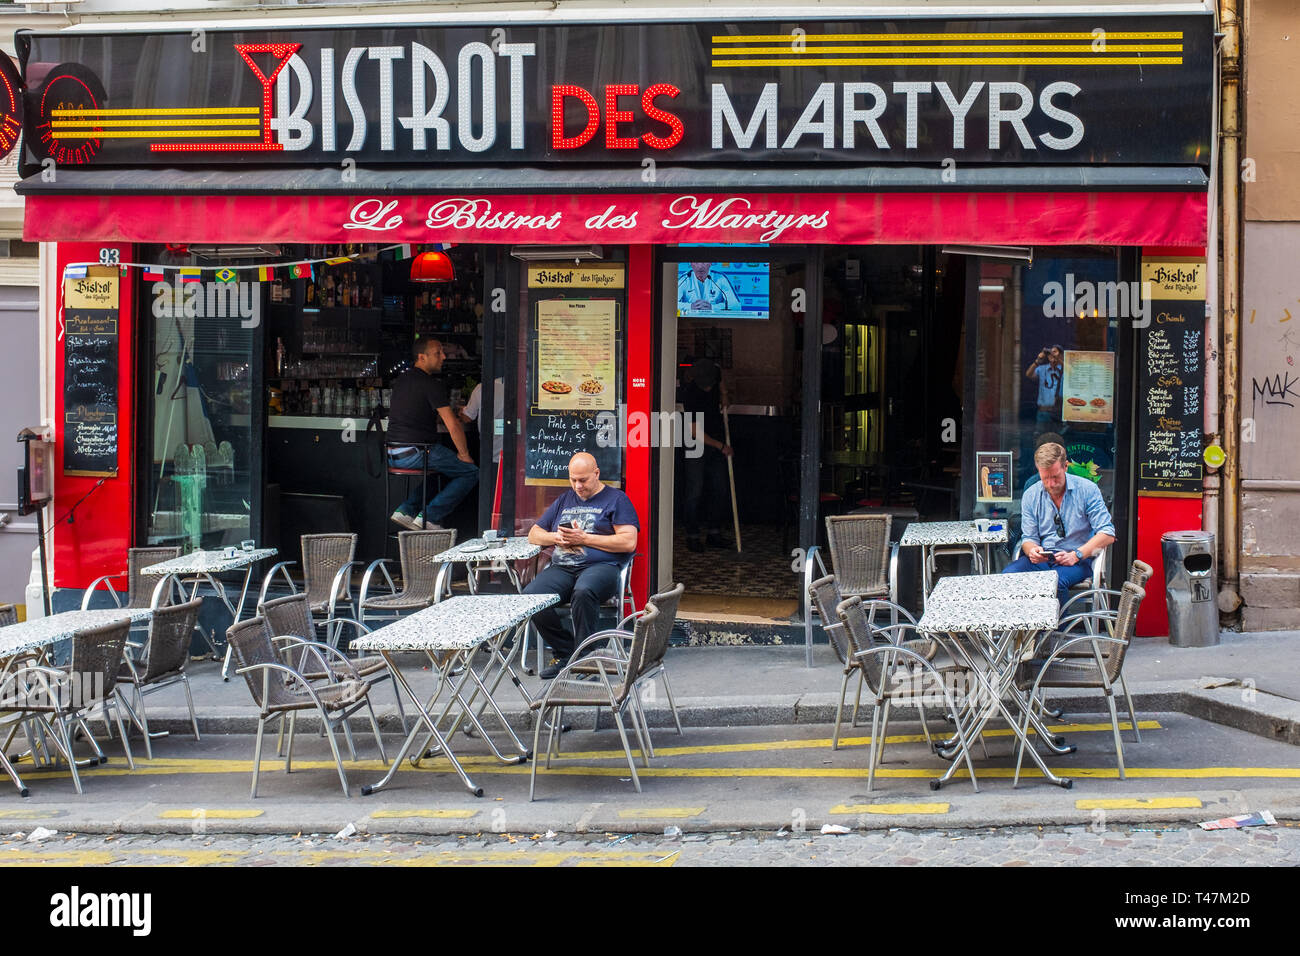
x=1064 y=521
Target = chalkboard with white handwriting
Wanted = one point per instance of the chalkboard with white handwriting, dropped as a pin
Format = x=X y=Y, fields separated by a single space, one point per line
x=90 y=370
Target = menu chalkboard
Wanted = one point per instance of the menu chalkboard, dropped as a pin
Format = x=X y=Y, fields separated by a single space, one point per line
x=574 y=384
x=1171 y=386
x=90 y=371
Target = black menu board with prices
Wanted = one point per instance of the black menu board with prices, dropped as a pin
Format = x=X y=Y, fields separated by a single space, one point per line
x=575 y=377
x=90 y=370
x=1171 y=379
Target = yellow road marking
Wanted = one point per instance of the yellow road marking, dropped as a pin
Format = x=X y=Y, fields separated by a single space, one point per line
x=29 y=813
x=206 y=814
x=891 y=808
x=1151 y=803
x=434 y=814
x=666 y=813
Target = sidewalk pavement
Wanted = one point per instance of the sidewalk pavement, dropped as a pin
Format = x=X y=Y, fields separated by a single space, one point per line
x=1250 y=682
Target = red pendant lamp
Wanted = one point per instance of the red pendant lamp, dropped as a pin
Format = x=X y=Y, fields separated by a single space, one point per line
x=432 y=267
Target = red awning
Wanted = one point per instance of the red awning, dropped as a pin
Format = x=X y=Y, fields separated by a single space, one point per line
x=1166 y=218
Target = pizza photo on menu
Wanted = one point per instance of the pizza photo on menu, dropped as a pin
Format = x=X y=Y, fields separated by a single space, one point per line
x=556 y=387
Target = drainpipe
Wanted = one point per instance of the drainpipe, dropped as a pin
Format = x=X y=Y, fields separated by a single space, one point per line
x=1210 y=500
x=1230 y=131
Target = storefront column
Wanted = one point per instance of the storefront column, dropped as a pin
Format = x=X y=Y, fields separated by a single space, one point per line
x=94 y=542
x=640 y=398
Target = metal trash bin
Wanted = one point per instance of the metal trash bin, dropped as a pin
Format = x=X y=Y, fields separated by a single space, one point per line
x=1190 y=576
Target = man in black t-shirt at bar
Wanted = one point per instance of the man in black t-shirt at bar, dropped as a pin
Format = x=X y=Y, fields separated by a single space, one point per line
x=419 y=402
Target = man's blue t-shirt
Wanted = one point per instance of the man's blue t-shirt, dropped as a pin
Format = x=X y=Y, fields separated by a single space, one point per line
x=1049 y=385
x=597 y=515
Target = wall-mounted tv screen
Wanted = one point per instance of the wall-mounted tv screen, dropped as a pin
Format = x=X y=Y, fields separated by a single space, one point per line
x=723 y=290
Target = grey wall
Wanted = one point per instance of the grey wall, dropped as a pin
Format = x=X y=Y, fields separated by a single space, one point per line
x=20 y=406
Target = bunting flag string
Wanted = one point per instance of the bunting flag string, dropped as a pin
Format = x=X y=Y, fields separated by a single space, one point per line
x=264 y=272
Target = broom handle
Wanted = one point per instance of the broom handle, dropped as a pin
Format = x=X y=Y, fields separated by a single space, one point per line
x=731 y=476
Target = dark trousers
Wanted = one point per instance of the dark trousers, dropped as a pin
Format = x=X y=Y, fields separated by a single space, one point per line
x=442 y=460
x=1065 y=577
x=586 y=589
x=704 y=492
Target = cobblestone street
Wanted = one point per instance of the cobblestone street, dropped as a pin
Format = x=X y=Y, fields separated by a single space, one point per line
x=1118 y=846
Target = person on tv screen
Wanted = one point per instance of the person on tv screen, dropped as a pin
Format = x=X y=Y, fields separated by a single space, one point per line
x=698 y=291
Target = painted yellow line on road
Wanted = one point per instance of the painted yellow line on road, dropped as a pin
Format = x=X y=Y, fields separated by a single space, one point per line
x=29 y=813
x=824 y=743
x=202 y=813
x=430 y=814
x=661 y=813
x=893 y=809
x=1152 y=803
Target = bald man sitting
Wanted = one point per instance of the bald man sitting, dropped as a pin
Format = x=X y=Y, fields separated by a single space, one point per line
x=591 y=527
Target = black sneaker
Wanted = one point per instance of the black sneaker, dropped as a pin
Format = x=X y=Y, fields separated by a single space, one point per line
x=550 y=673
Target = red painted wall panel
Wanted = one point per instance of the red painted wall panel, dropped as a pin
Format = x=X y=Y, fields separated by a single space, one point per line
x=640 y=391
x=95 y=542
x=1155 y=516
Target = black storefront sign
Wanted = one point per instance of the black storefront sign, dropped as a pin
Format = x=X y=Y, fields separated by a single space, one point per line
x=1131 y=90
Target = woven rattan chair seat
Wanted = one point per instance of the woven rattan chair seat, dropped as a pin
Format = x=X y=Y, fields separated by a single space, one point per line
x=364 y=666
x=398 y=602
x=579 y=693
x=343 y=694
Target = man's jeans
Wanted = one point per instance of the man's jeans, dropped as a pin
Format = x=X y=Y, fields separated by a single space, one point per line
x=1065 y=577
x=442 y=460
x=586 y=589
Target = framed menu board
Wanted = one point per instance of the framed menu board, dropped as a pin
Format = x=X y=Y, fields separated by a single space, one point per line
x=1171 y=380
x=574 y=376
x=90 y=368
x=1088 y=387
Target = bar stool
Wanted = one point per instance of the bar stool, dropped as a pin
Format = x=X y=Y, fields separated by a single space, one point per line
x=406 y=475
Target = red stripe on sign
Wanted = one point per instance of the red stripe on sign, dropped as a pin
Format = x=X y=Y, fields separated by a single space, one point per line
x=1001 y=218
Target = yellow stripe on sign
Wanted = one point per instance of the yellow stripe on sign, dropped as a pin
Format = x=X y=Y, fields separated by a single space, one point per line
x=29 y=813
x=969 y=61
x=82 y=123
x=1139 y=803
x=202 y=813
x=194 y=111
x=665 y=813
x=150 y=133
x=787 y=49
x=935 y=37
x=428 y=814
x=893 y=809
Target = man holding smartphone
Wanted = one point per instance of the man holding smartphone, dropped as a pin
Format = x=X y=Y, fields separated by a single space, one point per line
x=592 y=528
x=1064 y=521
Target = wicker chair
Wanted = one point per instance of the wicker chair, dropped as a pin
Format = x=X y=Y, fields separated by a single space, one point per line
x=615 y=687
x=617 y=641
x=327 y=561
x=163 y=664
x=280 y=691
x=864 y=562
x=421 y=580
x=293 y=631
x=825 y=596
x=893 y=672
x=64 y=696
x=8 y=615
x=139 y=587
x=1102 y=672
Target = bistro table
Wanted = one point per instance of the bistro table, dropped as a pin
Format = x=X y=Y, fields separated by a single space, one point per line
x=928 y=535
x=479 y=551
x=448 y=633
x=1000 y=618
x=204 y=566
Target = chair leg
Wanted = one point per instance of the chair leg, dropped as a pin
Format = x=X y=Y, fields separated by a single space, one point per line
x=627 y=750
x=1114 y=726
x=126 y=742
x=334 y=746
x=537 y=736
x=857 y=701
x=672 y=705
x=347 y=735
x=288 y=756
x=875 y=742
x=63 y=740
x=138 y=714
x=374 y=725
x=189 y=699
x=1132 y=714
x=884 y=731
x=925 y=725
x=13 y=774
x=839 y=712
x=637 y=719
